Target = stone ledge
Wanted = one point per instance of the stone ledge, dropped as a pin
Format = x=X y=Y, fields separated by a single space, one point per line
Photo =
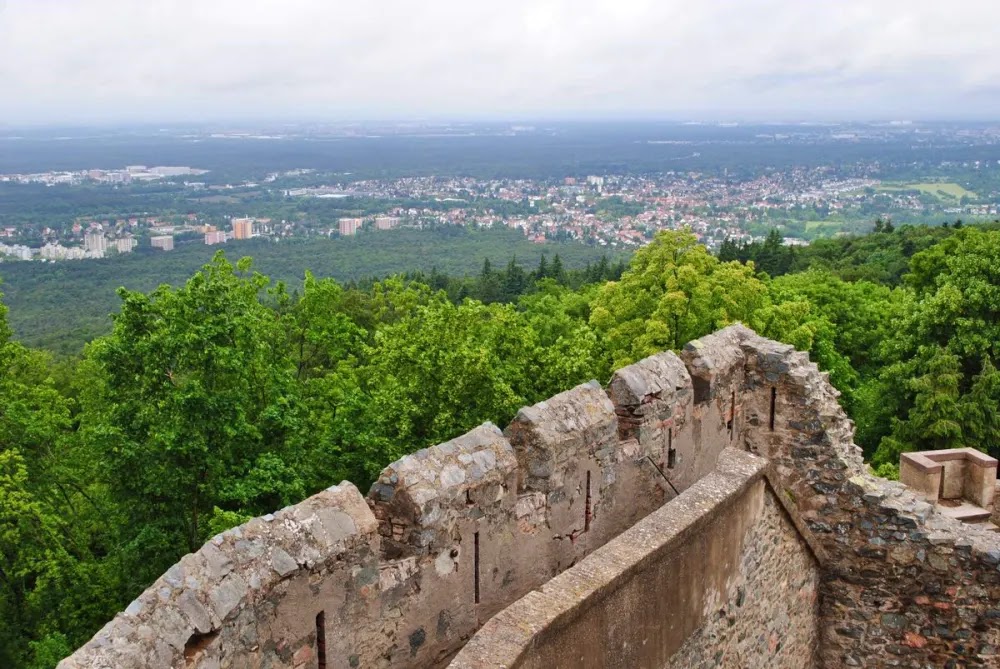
x=234 y=570
x=507 y=639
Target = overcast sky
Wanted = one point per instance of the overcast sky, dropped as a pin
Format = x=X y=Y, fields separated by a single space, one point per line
x=68 y=61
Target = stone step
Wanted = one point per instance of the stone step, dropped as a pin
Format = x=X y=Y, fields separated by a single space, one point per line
x=967 y=513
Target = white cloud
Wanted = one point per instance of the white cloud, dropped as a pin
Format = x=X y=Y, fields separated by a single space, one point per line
x=69 y=60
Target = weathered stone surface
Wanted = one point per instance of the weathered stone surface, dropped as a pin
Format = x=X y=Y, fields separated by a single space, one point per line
x=421 y=498
x=550 y=437
x=903 y=585
x=654 y=402
x=716 y=362
x=199 y=607
x=724 y=575
x=734 y=586
x=659 y=377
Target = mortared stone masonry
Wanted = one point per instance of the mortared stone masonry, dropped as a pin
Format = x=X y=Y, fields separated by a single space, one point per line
x=704 y=510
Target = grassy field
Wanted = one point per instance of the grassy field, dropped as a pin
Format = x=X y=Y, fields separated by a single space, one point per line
x=940 y=189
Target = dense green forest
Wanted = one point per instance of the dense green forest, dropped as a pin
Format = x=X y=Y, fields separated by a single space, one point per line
x=61 y=306
x=233 y=394
x=556 y=150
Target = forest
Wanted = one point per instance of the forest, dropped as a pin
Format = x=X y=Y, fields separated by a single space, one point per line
x=232 y=394
x=61 y=306
x=550 y=150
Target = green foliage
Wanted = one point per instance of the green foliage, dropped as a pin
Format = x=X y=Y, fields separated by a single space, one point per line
x=221 y=520
x=887 y=470
x=192 y=406
x=880 y=258
x=442 y=371
x=673 y=291
x=49 y=650
x=232 y=395
x=939 y=375
x=61 y=306
x=567 y=349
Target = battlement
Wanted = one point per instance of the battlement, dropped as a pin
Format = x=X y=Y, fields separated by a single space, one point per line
x=452 y=535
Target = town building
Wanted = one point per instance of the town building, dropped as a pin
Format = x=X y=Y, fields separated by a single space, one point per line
x=125 y=244
x=95 y=242
x=349 y=226
x=242 y=228
x=19 y=251
x=163 y=242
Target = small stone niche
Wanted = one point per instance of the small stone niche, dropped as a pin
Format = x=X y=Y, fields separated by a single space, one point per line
x=960 y=482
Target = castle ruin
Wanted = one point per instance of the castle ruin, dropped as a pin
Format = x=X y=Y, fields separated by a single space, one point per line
x=704 y=510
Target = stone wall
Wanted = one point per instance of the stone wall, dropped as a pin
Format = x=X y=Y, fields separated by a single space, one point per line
x=995 y=517
x=446 y=538
x=903 y=585
x=236 y=602
x=450 y=536
x=734 y=583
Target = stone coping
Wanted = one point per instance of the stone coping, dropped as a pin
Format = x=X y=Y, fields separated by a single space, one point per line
x=508 y=638
x=930 y=461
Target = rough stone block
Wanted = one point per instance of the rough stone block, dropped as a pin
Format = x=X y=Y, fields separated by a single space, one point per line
x=420 y=498
x=552 y=437
x=716 y=362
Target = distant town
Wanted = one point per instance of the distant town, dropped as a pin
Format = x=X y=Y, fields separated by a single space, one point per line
x=129 y=174
x=615 y=211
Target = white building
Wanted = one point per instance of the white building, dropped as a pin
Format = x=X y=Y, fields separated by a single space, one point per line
x=164 y=242
x=95 y=243
x=19 y=251
x=349 y=226
x=125 y=244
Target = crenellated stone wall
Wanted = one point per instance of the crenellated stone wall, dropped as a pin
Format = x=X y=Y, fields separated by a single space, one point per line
x=455 y=534
x=717 y=578
x=900 y=585
x=903 y=585
x=237 y=601
x=446 y=538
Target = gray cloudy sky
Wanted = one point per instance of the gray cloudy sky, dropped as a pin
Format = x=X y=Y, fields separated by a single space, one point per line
x=132 y=60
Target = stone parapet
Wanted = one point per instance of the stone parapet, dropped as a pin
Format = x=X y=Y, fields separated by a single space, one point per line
x=447 y=537
x=421 y=499
x=903 y=585
x=654 y=401
x=228 y=604
x=452 y=535
x=735 y=586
